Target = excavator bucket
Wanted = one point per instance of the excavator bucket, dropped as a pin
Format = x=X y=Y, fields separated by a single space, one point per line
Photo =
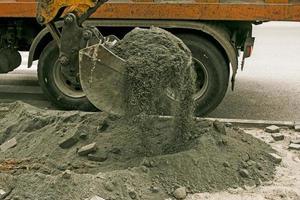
x=102 y=78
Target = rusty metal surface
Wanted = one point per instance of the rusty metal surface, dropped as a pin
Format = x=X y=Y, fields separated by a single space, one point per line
x=256 y=10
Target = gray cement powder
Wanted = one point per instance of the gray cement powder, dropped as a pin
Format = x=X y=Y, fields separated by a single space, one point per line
x=139 y=161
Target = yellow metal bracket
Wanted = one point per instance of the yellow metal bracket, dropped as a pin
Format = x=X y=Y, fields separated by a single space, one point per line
x=48 y=10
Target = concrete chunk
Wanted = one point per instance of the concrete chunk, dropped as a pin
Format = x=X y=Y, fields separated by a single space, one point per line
x=180 y=193
x=278 y=136
x=98 y=157
x=297 y=127
x=85 y=150
x=2 y=192
x=4 y=109
x=97 y=198
x=294 y=146
x=296 y=141
x=69 y=142
x=275 y=158
x=8 y=144
x=272 y=129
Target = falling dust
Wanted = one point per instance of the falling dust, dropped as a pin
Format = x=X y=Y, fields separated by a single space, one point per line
x=136 y=157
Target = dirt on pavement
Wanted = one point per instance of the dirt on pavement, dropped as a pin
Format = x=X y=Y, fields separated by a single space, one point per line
x=216 y=159
x=48 y=154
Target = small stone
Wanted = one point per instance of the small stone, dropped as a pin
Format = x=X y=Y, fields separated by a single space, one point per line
x=4 y=109
x=108 y=186
x=180 y=193
x=277 y=136
x=83 y=135
x=244 y=173
x=294 y=146
x=2 y=192
x=99 y=157
x=66 y=174
x=154 y=189
x=275 y=158
x=8 y=144
x=68 y=142
x=115 y=150
x=259 y=166
x=132 y=194
x=96 y=198
x=228 y=124
x=226 y=164
x=220 y=127
x=272 y=129
x=296 y=141
x=251 y=163
x=297 y=126
x=85 y=150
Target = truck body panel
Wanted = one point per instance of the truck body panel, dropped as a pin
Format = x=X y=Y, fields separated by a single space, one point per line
x=242 y=10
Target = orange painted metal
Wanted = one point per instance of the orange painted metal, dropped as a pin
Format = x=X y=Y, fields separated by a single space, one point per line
x=248 y=10
x=47 y=10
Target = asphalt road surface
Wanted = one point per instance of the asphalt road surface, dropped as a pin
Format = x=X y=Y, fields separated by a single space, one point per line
x=269 y=86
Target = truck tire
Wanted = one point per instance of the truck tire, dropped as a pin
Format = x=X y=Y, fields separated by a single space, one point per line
x=55 y=87
x=212 y=73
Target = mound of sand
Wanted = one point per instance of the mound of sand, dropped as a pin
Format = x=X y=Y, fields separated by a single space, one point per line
x=38 y=168
x=75 y=155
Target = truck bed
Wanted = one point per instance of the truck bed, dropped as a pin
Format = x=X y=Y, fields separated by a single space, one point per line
x=231 y=10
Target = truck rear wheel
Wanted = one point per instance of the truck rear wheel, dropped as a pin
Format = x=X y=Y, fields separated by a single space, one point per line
x=212 y=73
x=55 y=86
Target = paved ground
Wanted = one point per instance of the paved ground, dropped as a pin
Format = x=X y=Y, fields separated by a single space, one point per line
x=269 y=87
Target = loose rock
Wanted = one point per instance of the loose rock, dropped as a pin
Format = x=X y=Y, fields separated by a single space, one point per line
x=275 y=158
x=66 y=174
x=85 y=150
x=99 y=157
x=8 y=144
x=244 y=173
x=272 y=129
x=83 y=135
x=294 y=146
x=220 y=127
x=2 y=192
x=69 y=142
x=277 y=136
x=296 y=141
x=96 y=198
x=297 y=126
x=180 y=193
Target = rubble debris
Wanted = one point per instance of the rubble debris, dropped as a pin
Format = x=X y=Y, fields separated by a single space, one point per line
x=99 y=157
x=295 y=141
x=69 y=142
x=220 y=127
x=96 y=198
x=180 y=193
x=294 y=146
x=8 y=144
x=228 y=124
x=272 y=129
x=4 y=109
x=2 y=192
x=83 y=135
x=275 y=158
x=277 y=136
x=297 y=126
x=66 y=174
x=244 y=173
x=85 y=150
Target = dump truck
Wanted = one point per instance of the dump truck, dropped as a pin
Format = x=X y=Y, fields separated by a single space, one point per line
x=218 y=32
